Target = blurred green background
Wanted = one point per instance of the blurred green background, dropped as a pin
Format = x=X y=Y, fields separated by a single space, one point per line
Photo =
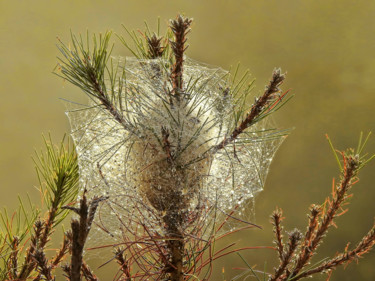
x=327 y=47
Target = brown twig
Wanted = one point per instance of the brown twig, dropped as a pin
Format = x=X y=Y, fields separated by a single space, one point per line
x=339 y=195
x=277 y=229
x=257 y=108
x=294 y=239
x=13 y=259
x=41 y=243
x=315 y=212
x=29 y=263
x=124 y=265
x=306 y=247
x=362 y=248
x=80 y=231
x=42 y=265
x=317 y=228
x=66 y=269
x=55 y=261
x=180 y=28
x=63 y=250
x=48 y=225
x=106 y=102
x=87 y=273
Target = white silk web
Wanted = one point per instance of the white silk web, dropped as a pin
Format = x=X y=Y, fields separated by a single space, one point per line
x=129 y=162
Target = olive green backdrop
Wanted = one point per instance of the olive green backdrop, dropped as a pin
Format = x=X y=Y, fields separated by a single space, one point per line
x=327 y=47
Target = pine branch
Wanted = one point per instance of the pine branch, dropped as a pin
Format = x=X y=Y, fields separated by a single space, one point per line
x=180 y=28
x=276 y=220
x=42 y=265
x=80 y=230
x=319 y=224
x=306 y=247
x=175 y=243
x=350 y=170
x=29 y=263
x=87 y=70
x=63 y=250
x=57 y=171
x=78 y=242
x=66 y=269
x=155 y=49
x=124 y=265
x=257 y=109
x=87 y=273
x=366 y=244
x=287 y=256
x=13 y=259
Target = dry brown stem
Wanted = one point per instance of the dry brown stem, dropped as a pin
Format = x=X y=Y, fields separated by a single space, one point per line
x=339 y=196
x=287 y=256
x=362 y=248
x=29 y=263
x=277 y=229
x=257 y=108
x=105 y=101
x=180 y=28
x=87 y=273
x=124 y=265
x=62 y=251
x=13 y=259
x=42 y=265
x=80 y=230
x=293 y=263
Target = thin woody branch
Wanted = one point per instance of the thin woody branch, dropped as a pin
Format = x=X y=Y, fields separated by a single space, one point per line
x=43 y=231
x=124 y=265
x=87 y=71
x=306 y=247
x=349 y=172
x=108 y=105
x=13 y=258
x=42 y=265
x=29 y=263
x=66 y=269
x=294 y=239
x=87 y=273
x=46 y=269
x=63 y=250
x=80 y=231
x=276 y=219
x=366 y=244
x=256 y=110
x=292 y=266
x=262 y=105
x=315 y=212
x=180 y=28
